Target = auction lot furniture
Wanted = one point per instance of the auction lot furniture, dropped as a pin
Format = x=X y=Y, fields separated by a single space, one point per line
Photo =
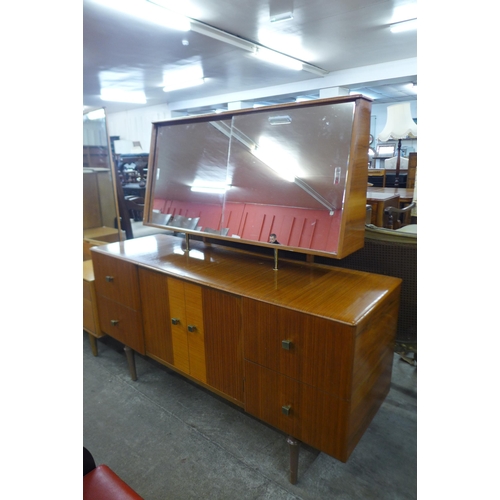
x=307 y=349
x=304 y=347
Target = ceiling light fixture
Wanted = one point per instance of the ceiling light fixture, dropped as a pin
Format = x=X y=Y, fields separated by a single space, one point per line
x=277 y=58
x=409 y=24
x=116 y=95
x=184 y=84
x=279 y=120
x=149 y=12
x=223 y=36
x=267 y=54
x=284 y=16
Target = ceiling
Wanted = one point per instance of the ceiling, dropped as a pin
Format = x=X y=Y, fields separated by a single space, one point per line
x=347 y=41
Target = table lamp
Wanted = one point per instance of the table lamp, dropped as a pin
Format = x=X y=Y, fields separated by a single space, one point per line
x=399 y=125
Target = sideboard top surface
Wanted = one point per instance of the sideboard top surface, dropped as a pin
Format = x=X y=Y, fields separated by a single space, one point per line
x=334 y=293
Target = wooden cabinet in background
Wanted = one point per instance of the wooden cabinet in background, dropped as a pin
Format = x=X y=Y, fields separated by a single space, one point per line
x=306 y=348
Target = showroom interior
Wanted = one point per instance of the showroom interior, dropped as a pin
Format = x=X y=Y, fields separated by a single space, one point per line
x=206 y=429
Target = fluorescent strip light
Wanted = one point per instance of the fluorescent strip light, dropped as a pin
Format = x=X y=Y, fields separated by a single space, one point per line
x=149 y=11
x=200 y=186
x=285 y=16
x=178 y=85
x=277 y=58
x=135 y=97
x=410 y=24
x=279 y=120
x=314 y=69
x=98 y=114
x=223 y=36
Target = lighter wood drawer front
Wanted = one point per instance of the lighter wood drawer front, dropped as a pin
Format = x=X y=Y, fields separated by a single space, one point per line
x=121 y=323
x=116 y=280
x=186 y=310
x=306 y=348
x=309 y=415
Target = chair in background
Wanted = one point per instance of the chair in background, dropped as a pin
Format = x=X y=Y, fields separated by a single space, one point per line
x=161 y=219
x=135 y=207
x=409 y=212
x=376 y=172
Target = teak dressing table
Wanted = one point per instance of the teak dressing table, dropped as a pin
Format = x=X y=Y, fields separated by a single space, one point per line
x=306 y=348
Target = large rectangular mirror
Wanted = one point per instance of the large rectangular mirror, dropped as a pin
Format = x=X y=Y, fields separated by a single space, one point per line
x=100 y=221
x=298 y=171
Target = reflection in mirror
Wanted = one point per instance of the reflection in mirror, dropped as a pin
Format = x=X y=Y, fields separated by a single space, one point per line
x=298 y=171
x=100 y=221
x=288 y=174
x=191 y=173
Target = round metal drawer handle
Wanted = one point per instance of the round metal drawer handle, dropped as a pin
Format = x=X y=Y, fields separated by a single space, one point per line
x=191 y=328
x=114 y=322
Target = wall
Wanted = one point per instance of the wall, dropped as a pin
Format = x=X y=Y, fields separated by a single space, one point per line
x=136 y=125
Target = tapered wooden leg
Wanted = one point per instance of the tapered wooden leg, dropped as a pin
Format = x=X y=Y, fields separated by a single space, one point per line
x=294 y=458
x=93 y=344
x=131 y=362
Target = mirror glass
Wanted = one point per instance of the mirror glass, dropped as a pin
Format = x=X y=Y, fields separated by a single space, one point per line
x=280 y=170
x=100 y=221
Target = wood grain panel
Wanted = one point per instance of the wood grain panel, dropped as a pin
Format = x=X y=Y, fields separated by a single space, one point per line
x=373 y=357
x=156 y=315
x=266 y=392
x=320 y=352
x=196 y=338
x=223 y=342
x=179 y=331
x=124 y=284
x=128 y=327
x=315 y=418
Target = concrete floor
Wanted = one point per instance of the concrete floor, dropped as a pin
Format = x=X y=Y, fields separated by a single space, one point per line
x=170 y=439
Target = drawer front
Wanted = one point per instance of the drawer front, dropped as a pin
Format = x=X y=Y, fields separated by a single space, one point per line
x=117 y=280
x=316 y=418
x=121 y=323
x=306 y=348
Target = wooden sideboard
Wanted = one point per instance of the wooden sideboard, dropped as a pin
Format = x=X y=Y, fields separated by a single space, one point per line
x=306 y=348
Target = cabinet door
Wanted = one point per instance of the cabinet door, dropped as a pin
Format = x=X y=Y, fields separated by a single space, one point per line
x=223 y=342
x=156 y=315
x=307 y=348
x=186 y=311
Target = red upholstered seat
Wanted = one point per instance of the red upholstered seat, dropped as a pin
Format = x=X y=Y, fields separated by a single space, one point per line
x=102 y=483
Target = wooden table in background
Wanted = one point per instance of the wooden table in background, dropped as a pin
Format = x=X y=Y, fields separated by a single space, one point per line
x=379 y=201
x=405 y=198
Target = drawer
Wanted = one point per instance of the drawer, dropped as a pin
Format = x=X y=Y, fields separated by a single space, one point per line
x=310 y=415
x=307 y=348
x=121 y=323
x=117 y=280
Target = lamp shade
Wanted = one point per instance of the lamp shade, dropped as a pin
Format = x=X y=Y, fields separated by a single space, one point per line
x=399 y=124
